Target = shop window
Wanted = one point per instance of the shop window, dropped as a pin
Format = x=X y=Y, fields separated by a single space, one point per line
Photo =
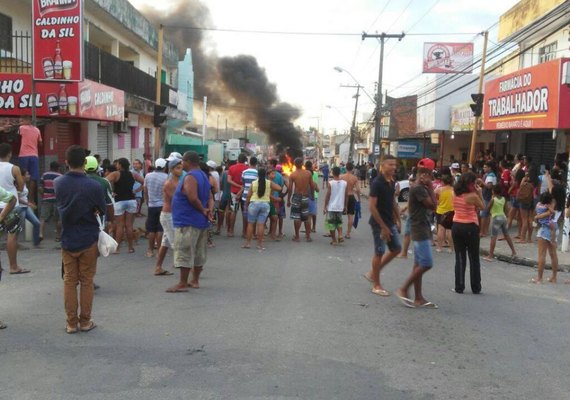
x=548 y=52
x=5 y=33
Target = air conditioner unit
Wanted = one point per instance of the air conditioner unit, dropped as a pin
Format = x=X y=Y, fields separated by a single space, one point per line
x=566 y=73
x=122 y=127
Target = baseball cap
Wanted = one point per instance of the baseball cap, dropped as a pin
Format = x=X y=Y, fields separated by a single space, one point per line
x=91 y=163
x=455 y=165
x=211 y=164
x=174 y=155
x=427 y=163
x=160 y=163
x=174 y=162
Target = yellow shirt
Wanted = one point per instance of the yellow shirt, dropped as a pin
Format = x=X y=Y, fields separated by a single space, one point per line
x=445 y=201
x=253 y=190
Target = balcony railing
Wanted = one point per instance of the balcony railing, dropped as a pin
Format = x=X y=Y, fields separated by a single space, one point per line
x=100 y=66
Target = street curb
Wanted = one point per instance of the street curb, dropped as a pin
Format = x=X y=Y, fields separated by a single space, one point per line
x=523 y=261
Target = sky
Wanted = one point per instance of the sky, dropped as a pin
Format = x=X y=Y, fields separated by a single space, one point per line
x=302 y=65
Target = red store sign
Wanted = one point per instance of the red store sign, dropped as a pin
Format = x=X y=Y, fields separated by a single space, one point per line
x=57 y=40
x=86 y=100
x=531 y=98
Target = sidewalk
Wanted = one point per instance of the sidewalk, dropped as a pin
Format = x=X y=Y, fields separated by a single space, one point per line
x=526 y=253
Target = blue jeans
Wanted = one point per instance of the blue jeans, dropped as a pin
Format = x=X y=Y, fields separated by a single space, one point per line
x=28 y=213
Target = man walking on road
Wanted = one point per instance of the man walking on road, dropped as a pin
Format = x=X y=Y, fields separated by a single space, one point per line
x=11 y=179
x=421 y=203
x=384 y=220
x=301 y=182
x=28 y=158
x=175 y=168
x=353 y=193
x=336 y=201
x=79 y=199
x=154 y=184
x=192 y=211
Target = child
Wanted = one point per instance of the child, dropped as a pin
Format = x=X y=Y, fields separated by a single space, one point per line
x=336 y=202
x=498 y=207
x=544 y=213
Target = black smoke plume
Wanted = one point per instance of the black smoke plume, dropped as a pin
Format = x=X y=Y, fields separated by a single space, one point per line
x=235 y=83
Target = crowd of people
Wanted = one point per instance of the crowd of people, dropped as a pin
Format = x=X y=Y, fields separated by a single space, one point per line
x=190 y=202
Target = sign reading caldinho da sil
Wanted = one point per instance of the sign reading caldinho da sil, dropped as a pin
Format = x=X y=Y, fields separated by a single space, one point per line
x=57 y=40
x=527 y=99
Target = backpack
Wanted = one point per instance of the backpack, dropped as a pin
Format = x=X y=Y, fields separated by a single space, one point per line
x=525 y=194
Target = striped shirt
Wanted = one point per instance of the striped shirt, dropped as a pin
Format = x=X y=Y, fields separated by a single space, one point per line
x=464 y=213
x=154 y=183
x=247 y=177
x=46 y=181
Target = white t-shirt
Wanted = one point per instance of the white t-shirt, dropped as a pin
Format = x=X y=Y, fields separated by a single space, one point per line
x=336 y=201
x=216 y=176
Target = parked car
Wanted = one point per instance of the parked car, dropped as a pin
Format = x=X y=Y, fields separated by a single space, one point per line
x=404 y=190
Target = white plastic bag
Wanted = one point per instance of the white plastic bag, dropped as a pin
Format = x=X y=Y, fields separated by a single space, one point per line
x=106 y=243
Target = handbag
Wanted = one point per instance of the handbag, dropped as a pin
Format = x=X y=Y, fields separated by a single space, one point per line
x=447 y=219
x=106 y=243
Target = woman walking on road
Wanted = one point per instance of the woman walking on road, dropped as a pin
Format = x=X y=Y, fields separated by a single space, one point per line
x=125 y=202
x=465 y=232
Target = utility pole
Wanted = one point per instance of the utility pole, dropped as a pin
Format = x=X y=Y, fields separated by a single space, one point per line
x=478 y=118
x=204 y=117
x=158 y=86
x=353 y=128
x=378 y=112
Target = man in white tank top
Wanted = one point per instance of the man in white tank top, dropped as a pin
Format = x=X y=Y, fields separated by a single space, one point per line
x=336 y=202
x=12 y=181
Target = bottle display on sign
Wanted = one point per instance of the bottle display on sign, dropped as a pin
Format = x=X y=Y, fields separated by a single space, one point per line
x=53 y=104
x=57 y=63
x=48 y=68
x=62 y=100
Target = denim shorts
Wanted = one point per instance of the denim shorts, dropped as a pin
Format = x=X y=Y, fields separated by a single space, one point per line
x=545 y=233
x=394 y=244
x=515 y=203
x=257 y=212
x=422 y=253
x=408 y=226
x=32 y=165
x=312 y=207
x=129 y=206
x=499 y=224
x=484 y=213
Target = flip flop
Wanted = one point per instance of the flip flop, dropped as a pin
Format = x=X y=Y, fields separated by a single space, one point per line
x=20 y=271
x=163 y=273
x=405 y=301
x=70 y=330
x=296 y=240
x=131 y=250
x=381 y=292
x=92 y=325
x=176 y=290
x=428 y=305
x=365 y=276
x=536 y=281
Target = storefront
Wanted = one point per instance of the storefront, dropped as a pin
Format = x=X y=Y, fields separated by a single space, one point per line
x=68 y=113
x=531 y=107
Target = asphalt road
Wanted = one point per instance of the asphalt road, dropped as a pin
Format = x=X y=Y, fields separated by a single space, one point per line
x=295 y=321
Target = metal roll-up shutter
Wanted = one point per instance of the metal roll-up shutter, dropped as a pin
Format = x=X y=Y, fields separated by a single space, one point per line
x=102 y=142
x=540 y=147
x=67 y=135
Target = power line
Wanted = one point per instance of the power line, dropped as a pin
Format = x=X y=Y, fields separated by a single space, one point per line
x=298 y=33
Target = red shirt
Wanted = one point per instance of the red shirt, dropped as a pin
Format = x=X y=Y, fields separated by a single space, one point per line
x=235 y=172
x=30 y=139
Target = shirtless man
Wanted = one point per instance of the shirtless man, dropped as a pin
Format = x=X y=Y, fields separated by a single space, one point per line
x=301 y=182
x=353 y=192
x=175 y=168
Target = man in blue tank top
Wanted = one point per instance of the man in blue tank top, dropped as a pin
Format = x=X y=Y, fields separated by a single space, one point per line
x=192 y=211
